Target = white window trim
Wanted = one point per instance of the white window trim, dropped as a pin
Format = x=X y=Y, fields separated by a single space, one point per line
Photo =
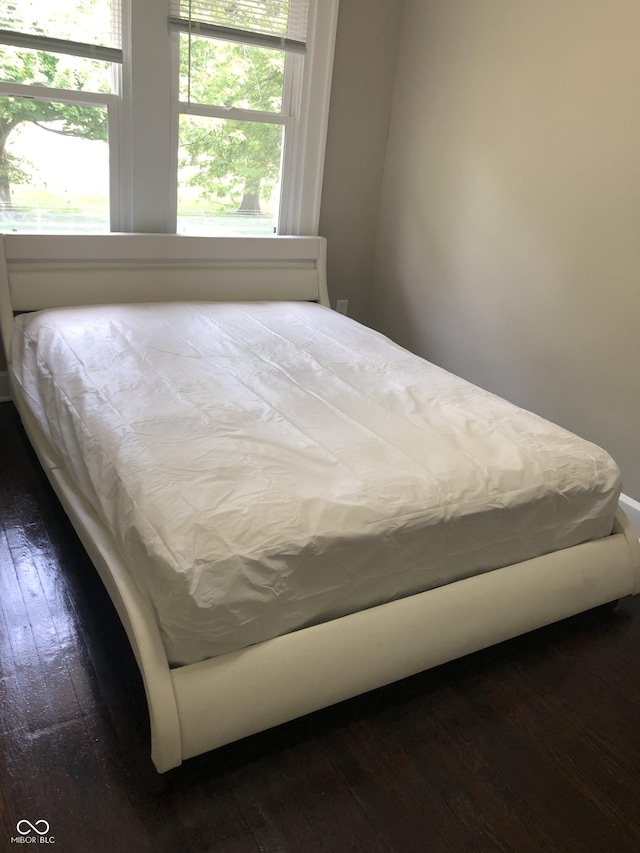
x=301 y=207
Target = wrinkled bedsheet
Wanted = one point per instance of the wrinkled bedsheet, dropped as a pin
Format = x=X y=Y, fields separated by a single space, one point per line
x=267 y=466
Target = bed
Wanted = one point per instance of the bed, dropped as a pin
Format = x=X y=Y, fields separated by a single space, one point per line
x=287 y=509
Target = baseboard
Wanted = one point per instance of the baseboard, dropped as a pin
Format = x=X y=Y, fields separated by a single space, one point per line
x=5 y=391
x=632 y=509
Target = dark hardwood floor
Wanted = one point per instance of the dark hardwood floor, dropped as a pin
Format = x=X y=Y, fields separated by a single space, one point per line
x=530 y=746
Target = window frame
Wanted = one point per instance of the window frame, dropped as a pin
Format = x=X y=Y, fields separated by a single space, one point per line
x=285 y=118
x=304 y=115
x=110 y=102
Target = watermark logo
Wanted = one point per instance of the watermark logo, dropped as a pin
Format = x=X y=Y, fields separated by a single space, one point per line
x=40 y=826
x=33 y=833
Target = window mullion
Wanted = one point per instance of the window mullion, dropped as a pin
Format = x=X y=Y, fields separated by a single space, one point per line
x=149 y=117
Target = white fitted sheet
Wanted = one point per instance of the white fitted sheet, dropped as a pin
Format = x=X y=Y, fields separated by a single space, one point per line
x=267 y=466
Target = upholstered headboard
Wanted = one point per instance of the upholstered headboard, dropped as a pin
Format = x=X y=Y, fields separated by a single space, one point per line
x=52 y=271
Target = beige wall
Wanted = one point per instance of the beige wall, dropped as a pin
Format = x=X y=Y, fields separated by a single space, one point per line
x=362 y=85
x=508 y=244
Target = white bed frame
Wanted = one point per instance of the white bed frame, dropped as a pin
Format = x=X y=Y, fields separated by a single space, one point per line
x=198 y=707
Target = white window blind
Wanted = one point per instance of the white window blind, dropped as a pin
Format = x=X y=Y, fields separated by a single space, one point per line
x=280 y=24
x=91 y=29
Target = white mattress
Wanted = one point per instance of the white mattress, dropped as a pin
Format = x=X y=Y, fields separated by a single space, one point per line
x=267 y=466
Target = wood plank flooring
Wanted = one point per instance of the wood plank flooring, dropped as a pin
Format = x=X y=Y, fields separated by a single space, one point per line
x=530 y=746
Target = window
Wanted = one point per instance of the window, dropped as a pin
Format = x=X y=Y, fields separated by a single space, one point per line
x=59 y=110
x=200 y=116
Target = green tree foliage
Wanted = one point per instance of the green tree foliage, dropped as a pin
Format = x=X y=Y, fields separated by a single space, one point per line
x=30 y=67
x=234 y=164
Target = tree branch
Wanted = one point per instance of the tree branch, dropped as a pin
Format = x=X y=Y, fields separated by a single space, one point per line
x=79 y=135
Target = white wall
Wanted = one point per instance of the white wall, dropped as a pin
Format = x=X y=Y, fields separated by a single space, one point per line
x=362 y=85
x=508 y=245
